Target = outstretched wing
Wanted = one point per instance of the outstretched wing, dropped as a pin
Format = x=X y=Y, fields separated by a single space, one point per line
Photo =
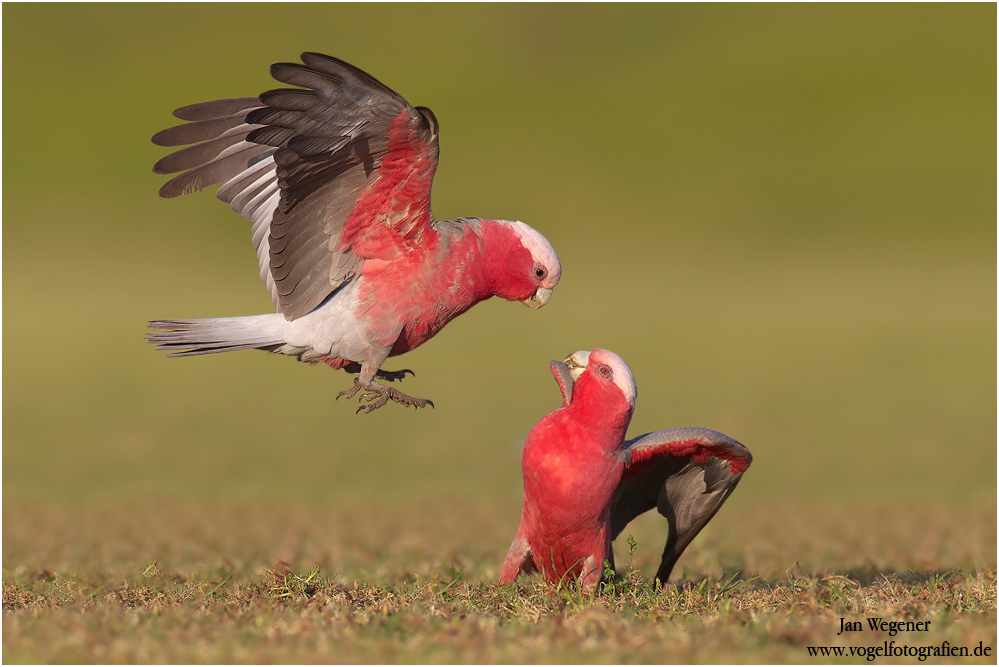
x=330 y=174
x=687 y=473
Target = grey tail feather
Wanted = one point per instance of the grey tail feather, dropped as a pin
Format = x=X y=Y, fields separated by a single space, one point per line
x=187 y=338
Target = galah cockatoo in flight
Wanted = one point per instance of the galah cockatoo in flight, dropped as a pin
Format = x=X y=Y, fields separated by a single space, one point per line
x=335 y=178
x=583 y=482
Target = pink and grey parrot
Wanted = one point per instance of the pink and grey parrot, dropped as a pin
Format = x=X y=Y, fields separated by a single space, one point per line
x=335 y=177
x=583 y=482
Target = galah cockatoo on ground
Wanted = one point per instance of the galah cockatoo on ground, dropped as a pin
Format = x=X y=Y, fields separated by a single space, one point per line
x=335 y=178
x=583 y=482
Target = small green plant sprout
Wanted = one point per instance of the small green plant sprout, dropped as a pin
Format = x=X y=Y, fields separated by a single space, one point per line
x=632 y=548
x=608 y=571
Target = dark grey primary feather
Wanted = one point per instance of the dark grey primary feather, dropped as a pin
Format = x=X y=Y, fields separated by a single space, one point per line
x=294 y=162
x=217 y=170
x=216 y=108
x=687 y=493
x=196 y=155
x=202 y=130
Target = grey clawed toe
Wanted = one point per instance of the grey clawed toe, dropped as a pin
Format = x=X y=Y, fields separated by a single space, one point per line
x=378 y=395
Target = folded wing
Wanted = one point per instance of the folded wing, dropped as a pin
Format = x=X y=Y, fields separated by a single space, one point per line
x=330 y=174
x=686 y=473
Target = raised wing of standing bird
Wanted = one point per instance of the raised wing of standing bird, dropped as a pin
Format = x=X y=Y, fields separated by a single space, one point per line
x=334 y=177
x=685 y=473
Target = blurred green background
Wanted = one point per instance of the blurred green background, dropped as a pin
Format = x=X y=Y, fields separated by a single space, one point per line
x=782 y=217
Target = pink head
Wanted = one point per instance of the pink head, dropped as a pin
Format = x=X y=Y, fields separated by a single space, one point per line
x=607 y=369
x=600 y=388
x=527 y=268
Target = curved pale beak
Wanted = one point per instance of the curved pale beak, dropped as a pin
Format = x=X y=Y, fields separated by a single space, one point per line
x=577 y=362
x=539 y=298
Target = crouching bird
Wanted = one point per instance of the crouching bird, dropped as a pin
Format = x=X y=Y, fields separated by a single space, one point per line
x=583 y=482
x=334 y=176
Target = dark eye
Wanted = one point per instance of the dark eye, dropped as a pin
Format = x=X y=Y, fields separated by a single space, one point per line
x=604 y=371
x=540 y=273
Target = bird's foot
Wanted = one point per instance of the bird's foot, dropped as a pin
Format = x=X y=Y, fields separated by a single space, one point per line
x=349 y=393
x=391 y=376
x=378 y=395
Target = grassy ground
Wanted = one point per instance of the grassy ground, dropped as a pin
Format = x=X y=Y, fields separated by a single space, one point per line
x=351 y=594
x=782 y=217
x=307 y=617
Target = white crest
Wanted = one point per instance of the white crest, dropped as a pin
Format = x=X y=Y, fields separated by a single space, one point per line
x=540 y=249
x=580 y=361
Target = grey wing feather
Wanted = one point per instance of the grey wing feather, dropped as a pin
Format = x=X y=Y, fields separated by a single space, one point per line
x=194 y=156
x=294 y=162
x=202 y=130
x=216 y=108
x=676 y=473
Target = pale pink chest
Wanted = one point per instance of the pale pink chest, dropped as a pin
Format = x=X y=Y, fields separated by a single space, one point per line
x=407 y=301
